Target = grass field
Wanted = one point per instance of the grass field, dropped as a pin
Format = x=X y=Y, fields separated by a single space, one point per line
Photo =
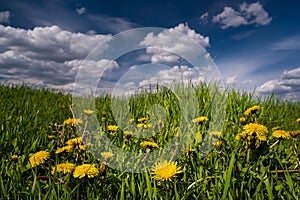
x=255 y=155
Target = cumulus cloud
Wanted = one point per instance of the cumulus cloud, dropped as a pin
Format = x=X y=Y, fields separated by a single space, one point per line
x=81 y=11
x=204 y=18
x=247 y=14
x=180 y=40
x=232 y=80
x=4 y=17
x=51 y=57
x=236 y=83
x=229 y=18
x=287 y=85
x=45 y=56
x=164 y=77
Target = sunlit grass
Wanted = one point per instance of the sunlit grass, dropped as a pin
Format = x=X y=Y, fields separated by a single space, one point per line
x=255 y=155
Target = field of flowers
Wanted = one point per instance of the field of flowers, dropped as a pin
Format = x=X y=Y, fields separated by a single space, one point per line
x=255 y=155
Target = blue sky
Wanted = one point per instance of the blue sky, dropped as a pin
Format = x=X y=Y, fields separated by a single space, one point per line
x=254 y=44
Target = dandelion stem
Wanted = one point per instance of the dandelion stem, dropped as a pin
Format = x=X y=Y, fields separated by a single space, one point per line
x=274 y=144
x=282 y=171
x=201 y=179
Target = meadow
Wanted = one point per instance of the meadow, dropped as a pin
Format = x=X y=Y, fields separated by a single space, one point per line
x=254 y=154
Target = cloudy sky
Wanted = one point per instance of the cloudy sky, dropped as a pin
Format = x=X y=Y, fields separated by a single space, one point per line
x=254 y=44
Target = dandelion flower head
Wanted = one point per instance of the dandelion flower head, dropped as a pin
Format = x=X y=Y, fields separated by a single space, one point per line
x=252 y=110
x=141 y=125
x=38 y=158
x=65 y=168
x=280 y=134
x=72 y=122
x=166 y=170
x=112 y=128
x=88 y=112
x=143 y=119
x=14 y=157
x=252 y=128
x=294 y=133
x=65 y=148
x=74 y=142
x=85 y=169
x=149 y=144
x=242 y=120
x=106 y=155
x=200 y=119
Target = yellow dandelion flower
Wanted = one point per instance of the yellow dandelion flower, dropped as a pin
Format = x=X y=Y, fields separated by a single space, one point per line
x=252 y=128
x=65 y=168
x=85 y=169
x=261 y=137
x=200 y=119
x=65 y=148
x=112 y=128
x=14 y=157
x=252 y=110
x=281 y=134
x=127 y=134
x=242 y=120
x=218 y=144
x=298 y=120
x=50 y=137
x=149 y=144
x=143 y=119
x=74 y=142
x=275 y=128
x=294 y=133
x=88 y=112
x=72 y=122
x=102 y=167
x=215 y=133
x=165 y=170
x=106 y=155
x=189 y=150
x=131 y=120
x=82 y=147
x=141 y=125
x=38 y=158
x=60 y=150
x=103 y=113
x=240 y=136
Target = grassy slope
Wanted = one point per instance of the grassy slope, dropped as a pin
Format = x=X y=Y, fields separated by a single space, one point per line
x=230 y=172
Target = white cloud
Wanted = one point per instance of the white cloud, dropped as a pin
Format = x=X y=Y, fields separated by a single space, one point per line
x=180 y=40
x=236 y=83
x=81 y=11
x=167 y=77
x=289 y=43
x=204 y=18
x=45 y=56
x=4 y=17
x=255 y=13
x=247 y=14
x=49 y=43
x=51 y=57
x=287 y=85
x=112 y=24
x=232 y=80
x=91 y=32
x=229 y=18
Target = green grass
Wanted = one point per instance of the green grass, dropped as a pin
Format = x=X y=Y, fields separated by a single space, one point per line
x=234 y=170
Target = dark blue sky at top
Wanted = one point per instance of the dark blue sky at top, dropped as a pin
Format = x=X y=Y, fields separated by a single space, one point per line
x=246 y=44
